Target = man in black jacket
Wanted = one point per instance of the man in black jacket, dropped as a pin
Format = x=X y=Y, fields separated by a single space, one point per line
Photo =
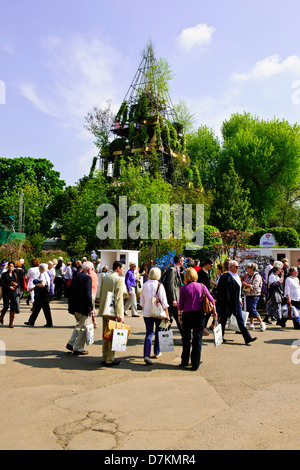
x=229 y=300
x=81 y=306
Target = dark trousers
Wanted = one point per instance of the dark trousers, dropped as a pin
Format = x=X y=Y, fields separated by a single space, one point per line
x=192 y=322
x=240 y=322
x=9 y=301
x=173 y=314
x=41 y=301
x=58 y=287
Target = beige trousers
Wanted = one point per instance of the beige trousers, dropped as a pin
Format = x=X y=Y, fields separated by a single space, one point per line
x=78 y=337
x=108 y=355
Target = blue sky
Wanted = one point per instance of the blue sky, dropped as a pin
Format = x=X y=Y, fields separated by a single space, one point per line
x=58 y=59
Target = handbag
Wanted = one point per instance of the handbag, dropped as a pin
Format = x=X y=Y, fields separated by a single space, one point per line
x=119 y=339
x=218 y=335
x=157 y=310
x=109 y=306
x=166 y=341
x=207 y=306
x=111 y=325
x=89 y=334
x=233 y=324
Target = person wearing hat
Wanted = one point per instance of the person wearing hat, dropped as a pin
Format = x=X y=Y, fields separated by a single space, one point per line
x=130 y=283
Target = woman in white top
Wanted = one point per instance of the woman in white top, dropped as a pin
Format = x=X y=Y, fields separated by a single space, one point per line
x=32 y=273
x=149 y=290
x=275 y=292
x=292 y=295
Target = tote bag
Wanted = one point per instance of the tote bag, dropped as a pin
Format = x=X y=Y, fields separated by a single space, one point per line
x=233 y=324
x=109 y=306
x=157 y=310
x=119 y=339
x=218 y=336
x=89 y=334
x=166 y=341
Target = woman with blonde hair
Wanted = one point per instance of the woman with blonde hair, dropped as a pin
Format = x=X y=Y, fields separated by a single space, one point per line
x=152 y=288
x=191 y=315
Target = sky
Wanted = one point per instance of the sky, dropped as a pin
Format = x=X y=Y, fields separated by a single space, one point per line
x=59 y=59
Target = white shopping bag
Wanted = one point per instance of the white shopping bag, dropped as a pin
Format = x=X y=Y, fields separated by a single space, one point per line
x=166 y=342
x=218 y=336
x=119 y=339
x=109 y=306
x=90 y=334
x=233 y=324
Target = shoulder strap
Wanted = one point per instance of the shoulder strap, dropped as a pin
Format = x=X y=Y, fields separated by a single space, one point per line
x=203 y=291
x=158 y=288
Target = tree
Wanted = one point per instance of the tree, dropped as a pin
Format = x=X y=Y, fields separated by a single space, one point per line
x=99 y=123
x=204 y=150
x=266 y=155
x=231 y=208
x=39 y=184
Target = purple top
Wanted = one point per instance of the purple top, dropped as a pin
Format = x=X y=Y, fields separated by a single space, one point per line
x=190 y=297
x=130 y=280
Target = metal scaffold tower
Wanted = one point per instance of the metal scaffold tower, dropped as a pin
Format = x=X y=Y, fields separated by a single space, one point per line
x=146 y=122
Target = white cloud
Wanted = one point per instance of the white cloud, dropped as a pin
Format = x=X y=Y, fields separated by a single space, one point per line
x=78 y=73
x=28 y=90
x=195 y=36
x=268 y=67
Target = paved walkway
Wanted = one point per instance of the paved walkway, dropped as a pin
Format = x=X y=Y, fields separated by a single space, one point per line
x=242 y=397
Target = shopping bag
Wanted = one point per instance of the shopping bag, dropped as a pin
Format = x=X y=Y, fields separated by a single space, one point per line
x=166 y=342
x=119 y=339
x=233 y=324
x=111 y=325
x=157 y=310
x=109 y=306
x=218 y=336
x=89 y=334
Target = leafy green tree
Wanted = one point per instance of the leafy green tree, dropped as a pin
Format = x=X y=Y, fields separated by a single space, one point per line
x=204 y=150
x=77 y=216
x=39 y=184
x=231 y=208
x=266 y=155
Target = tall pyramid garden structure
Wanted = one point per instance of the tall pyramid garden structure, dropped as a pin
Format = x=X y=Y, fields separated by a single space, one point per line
x=146 y=127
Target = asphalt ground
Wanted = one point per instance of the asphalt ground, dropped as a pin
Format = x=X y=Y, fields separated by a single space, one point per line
x=241 y=398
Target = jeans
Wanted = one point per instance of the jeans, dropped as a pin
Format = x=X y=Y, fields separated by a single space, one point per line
x=251 y=305
x=150 y=322
x=192 y=321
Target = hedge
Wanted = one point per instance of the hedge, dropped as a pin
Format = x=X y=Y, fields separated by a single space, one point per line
x=284 y=236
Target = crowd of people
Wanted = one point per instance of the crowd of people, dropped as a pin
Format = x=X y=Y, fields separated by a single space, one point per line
x=182 y=289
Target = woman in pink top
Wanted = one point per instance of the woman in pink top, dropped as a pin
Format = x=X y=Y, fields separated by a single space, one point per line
x=191 y=316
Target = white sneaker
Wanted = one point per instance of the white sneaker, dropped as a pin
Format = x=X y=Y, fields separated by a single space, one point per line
x=147 y=360
x=263 y=326
x=156 y=356
x=251 y=326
